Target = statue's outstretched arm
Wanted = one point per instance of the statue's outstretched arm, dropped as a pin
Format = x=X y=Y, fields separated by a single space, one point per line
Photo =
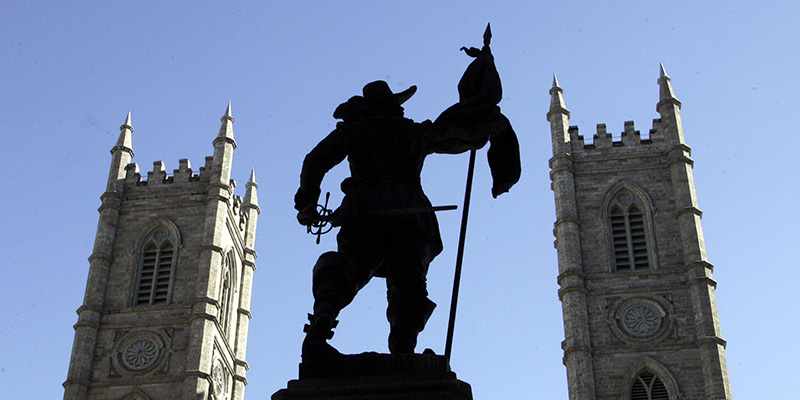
x=327 y=154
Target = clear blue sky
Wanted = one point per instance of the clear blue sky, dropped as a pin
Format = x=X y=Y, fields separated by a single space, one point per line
x=71 y=72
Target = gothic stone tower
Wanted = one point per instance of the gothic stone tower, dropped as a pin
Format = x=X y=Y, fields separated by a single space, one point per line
x=167 y=303
x=640 y=315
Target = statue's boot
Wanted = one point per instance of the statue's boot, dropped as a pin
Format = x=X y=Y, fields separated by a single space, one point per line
x=406 y=322
x=333 y=289
x=318 y=332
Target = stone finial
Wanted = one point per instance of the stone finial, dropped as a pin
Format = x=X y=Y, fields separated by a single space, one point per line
x=128 y=121
x=228 y=114
x=226 y=130
x=124 y=142
x=251 y=195
x=663 y=71
x=665 y=93
x=557 y=104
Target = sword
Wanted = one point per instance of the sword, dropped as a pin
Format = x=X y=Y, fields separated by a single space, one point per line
x=411 y=210
x=323 y=220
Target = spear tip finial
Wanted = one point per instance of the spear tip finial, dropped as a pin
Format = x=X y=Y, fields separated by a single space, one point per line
x=487 y=34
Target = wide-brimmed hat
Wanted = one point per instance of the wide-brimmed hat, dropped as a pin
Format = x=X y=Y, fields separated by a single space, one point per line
x=379 y=91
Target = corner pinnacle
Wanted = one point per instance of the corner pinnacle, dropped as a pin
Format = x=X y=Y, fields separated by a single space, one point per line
x=251 y=195
x=128 y=120
x=252 y=176
x=557 y=105
x=226 y=128
x=665 y=93
x=228 y=116
x=124 y=141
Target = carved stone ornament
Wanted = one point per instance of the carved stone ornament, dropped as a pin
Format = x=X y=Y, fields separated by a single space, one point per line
x=139 y=352
x=219 y=378
x=640 y=319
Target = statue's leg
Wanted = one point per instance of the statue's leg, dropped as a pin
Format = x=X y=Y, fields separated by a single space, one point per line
x=408 y=312
x=335 y=283
x=409 y=307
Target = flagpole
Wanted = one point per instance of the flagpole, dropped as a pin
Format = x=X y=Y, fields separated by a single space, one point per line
x=459 y=258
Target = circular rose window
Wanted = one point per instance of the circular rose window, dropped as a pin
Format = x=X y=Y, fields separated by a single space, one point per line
x=641 y=320
x=140 y=354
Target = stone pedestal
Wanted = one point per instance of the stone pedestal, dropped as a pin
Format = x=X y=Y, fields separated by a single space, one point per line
x=377 y=376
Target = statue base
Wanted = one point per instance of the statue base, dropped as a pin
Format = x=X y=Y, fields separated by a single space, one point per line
x=376 y=376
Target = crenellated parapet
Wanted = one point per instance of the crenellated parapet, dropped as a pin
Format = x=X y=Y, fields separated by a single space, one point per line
x=183 y=175
x=159 y=187
x=665 y=135
x=628 y=142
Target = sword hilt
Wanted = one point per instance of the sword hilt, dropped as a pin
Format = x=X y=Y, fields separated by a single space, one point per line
x=321 y=224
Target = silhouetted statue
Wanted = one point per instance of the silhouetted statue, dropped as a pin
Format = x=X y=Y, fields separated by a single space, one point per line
x=377 y=237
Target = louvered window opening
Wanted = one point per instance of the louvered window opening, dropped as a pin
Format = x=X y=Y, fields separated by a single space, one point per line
x=647 y=386
x=629 y=239
x=155 y=275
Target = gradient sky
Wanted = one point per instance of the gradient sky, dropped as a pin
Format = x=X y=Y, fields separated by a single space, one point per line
x=72 y=71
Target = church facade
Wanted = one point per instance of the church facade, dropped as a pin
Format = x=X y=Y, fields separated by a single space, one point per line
x=637 y=294
x=167 y=303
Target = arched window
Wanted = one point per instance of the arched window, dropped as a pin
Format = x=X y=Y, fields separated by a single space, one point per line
x=226 y=283
x=647 y=386
x=155 y=269
x=648 y=379
x=629 y=239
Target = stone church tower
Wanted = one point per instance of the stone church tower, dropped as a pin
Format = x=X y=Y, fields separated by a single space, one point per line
x=167 y=303
x=640 y=314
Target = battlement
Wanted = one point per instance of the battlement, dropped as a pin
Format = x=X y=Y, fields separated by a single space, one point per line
x=125 y=176
x=184 y=187
x=630 y=141
x=158 y=175
x=665 y=134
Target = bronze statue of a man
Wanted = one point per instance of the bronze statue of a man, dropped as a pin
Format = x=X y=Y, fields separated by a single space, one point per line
x=386 y=153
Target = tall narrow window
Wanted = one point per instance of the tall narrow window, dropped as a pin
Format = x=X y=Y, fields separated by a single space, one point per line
x=225 y=291
x=628 y=233
x=156 y=269
x=647 y=386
